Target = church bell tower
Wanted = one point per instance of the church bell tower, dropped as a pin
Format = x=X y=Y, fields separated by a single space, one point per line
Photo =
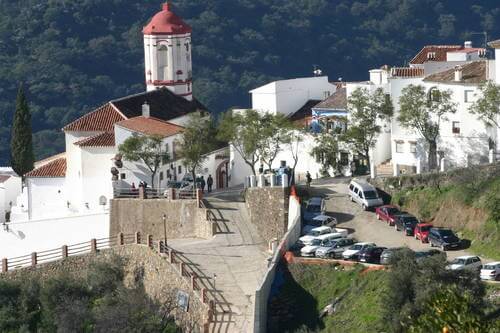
x=167 y=53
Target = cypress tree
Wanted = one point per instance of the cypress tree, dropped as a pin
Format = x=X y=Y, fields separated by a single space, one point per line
x=21 y=144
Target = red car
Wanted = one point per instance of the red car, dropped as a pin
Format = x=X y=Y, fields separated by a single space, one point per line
x=422 y=231
x=387 y=213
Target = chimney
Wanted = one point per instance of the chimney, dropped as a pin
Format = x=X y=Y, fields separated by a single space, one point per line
x=145 y=110
x=468 y=44
x=458 y=73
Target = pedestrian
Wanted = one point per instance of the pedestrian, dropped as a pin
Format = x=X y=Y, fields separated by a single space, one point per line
x=202 y=183
x=210 y=182
x=308 y=179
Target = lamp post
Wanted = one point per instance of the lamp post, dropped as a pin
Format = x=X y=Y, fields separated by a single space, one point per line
x=165 y=230
x=215 y=279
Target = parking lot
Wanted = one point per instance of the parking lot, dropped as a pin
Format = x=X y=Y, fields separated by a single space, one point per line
x=363 y=225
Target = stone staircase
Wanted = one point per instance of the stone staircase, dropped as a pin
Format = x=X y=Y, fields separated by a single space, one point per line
x=385 y=168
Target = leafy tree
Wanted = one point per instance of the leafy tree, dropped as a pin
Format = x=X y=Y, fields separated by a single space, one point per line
x=423 y=112
x=276 y=130
x=292 y=143
x=22 y=157
x=487 y=106
x=197 y=140
x=366 y=111
x=243 y=130
x=326 y=151
x=146 y=149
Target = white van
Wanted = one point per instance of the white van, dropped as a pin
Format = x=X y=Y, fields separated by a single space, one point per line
x=364 y=194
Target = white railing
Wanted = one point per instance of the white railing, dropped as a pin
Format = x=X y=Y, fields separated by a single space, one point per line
x=267 y=180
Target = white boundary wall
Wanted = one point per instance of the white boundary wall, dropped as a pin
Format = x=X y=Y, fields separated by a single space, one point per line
x=262 y=293
x=22 y=238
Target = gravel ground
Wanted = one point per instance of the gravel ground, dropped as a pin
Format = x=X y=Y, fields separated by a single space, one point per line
x=363 y=225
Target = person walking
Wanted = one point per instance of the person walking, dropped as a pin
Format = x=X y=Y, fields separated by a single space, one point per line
x=210 y=182
x=202 y=184
x=308 y=179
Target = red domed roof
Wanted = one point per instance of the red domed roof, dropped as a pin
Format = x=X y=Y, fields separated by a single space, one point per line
x=166 y=23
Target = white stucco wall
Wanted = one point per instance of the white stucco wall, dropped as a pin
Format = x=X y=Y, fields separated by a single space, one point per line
x=46 y=234
x=9 y=191
x=47 y=197
x=96 y=166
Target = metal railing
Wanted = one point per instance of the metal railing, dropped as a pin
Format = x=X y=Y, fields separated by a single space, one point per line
x=153 y=193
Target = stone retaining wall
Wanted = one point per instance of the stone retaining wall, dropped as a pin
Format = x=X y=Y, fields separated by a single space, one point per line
x=268 y=209
x=161 y=280
x=184 y=218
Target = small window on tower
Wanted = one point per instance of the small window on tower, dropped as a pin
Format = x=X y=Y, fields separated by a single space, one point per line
x=187 y=47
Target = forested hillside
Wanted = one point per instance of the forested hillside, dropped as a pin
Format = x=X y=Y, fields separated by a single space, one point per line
x=73 y=55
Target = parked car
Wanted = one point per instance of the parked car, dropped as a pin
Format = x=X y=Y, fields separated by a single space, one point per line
x=444 y=238
x=472 y=263
x=371 y=254
x=323 y=240
x=491 y=271
x=335 y=248
x=315 y=207
x=407 y=223
x=364 y=194
x=421 y=255
x=422 y=232
x=387 y=213
x=324 y=220
x=352 y=252
x=387 y=254
x=318 y=231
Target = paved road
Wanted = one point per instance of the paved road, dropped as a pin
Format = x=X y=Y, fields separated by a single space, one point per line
x=237 y=256
x=364 y=225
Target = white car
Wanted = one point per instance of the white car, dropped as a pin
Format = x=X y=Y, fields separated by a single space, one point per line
x=320 y=241
x=352 y=252
x=316 y=231
x=324 y=220
x=491 y=271
x=335 y=248
x=472 y=263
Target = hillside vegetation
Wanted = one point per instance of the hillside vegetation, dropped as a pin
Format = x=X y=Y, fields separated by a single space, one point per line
x=74 y=55
x=470 y=204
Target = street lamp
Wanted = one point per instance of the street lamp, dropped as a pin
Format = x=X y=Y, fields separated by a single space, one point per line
x=215 y=279
x=165 y=230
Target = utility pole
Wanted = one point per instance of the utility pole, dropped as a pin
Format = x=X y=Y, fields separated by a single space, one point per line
x=165 y=231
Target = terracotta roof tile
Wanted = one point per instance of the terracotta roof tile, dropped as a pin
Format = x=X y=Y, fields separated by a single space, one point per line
x=54 y=169
x=106 y=139
x=100 y=120
x=407 y=72
x=4 y=178
x=151 y=126
x=338 y=100
x=472 y=73
x=438 y=53
x=304 y=114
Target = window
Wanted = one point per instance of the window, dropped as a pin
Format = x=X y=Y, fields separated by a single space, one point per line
x=162 y=62
x=413 y=147
x=400 y=146
x=123 y=176
x=455 y=127
x=179 y=169
x=161 y=175
x=435 y=95
x=326 y=94
x=344 y=158
x=468 y=96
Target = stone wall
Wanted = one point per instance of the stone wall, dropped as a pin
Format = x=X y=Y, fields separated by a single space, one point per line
x=161 y=280
x=268 y=209
x=184 y=218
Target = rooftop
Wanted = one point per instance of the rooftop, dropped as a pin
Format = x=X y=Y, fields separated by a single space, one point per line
x=472 y=73
x=305 y=112
x=54 y=169
x=166 y=22
x=106 y=139
x=4 y=178
x=438 y=53
x=151 y=126
x=406 y=72
x=337 y=101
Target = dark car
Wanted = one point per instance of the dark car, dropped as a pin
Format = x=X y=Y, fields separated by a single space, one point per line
x=371 y=254
x=421 y=255
x=443 y=238
x=406 y=222
x=387 y=213
x=386 y=255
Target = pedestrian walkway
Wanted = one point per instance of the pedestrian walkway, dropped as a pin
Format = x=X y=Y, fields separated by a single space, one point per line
x=231 y=265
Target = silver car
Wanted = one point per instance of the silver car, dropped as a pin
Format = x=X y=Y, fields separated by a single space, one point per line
x=335 y=248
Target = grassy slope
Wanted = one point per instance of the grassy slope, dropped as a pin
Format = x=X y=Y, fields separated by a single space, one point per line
x=309 y=288
x=471 y=207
